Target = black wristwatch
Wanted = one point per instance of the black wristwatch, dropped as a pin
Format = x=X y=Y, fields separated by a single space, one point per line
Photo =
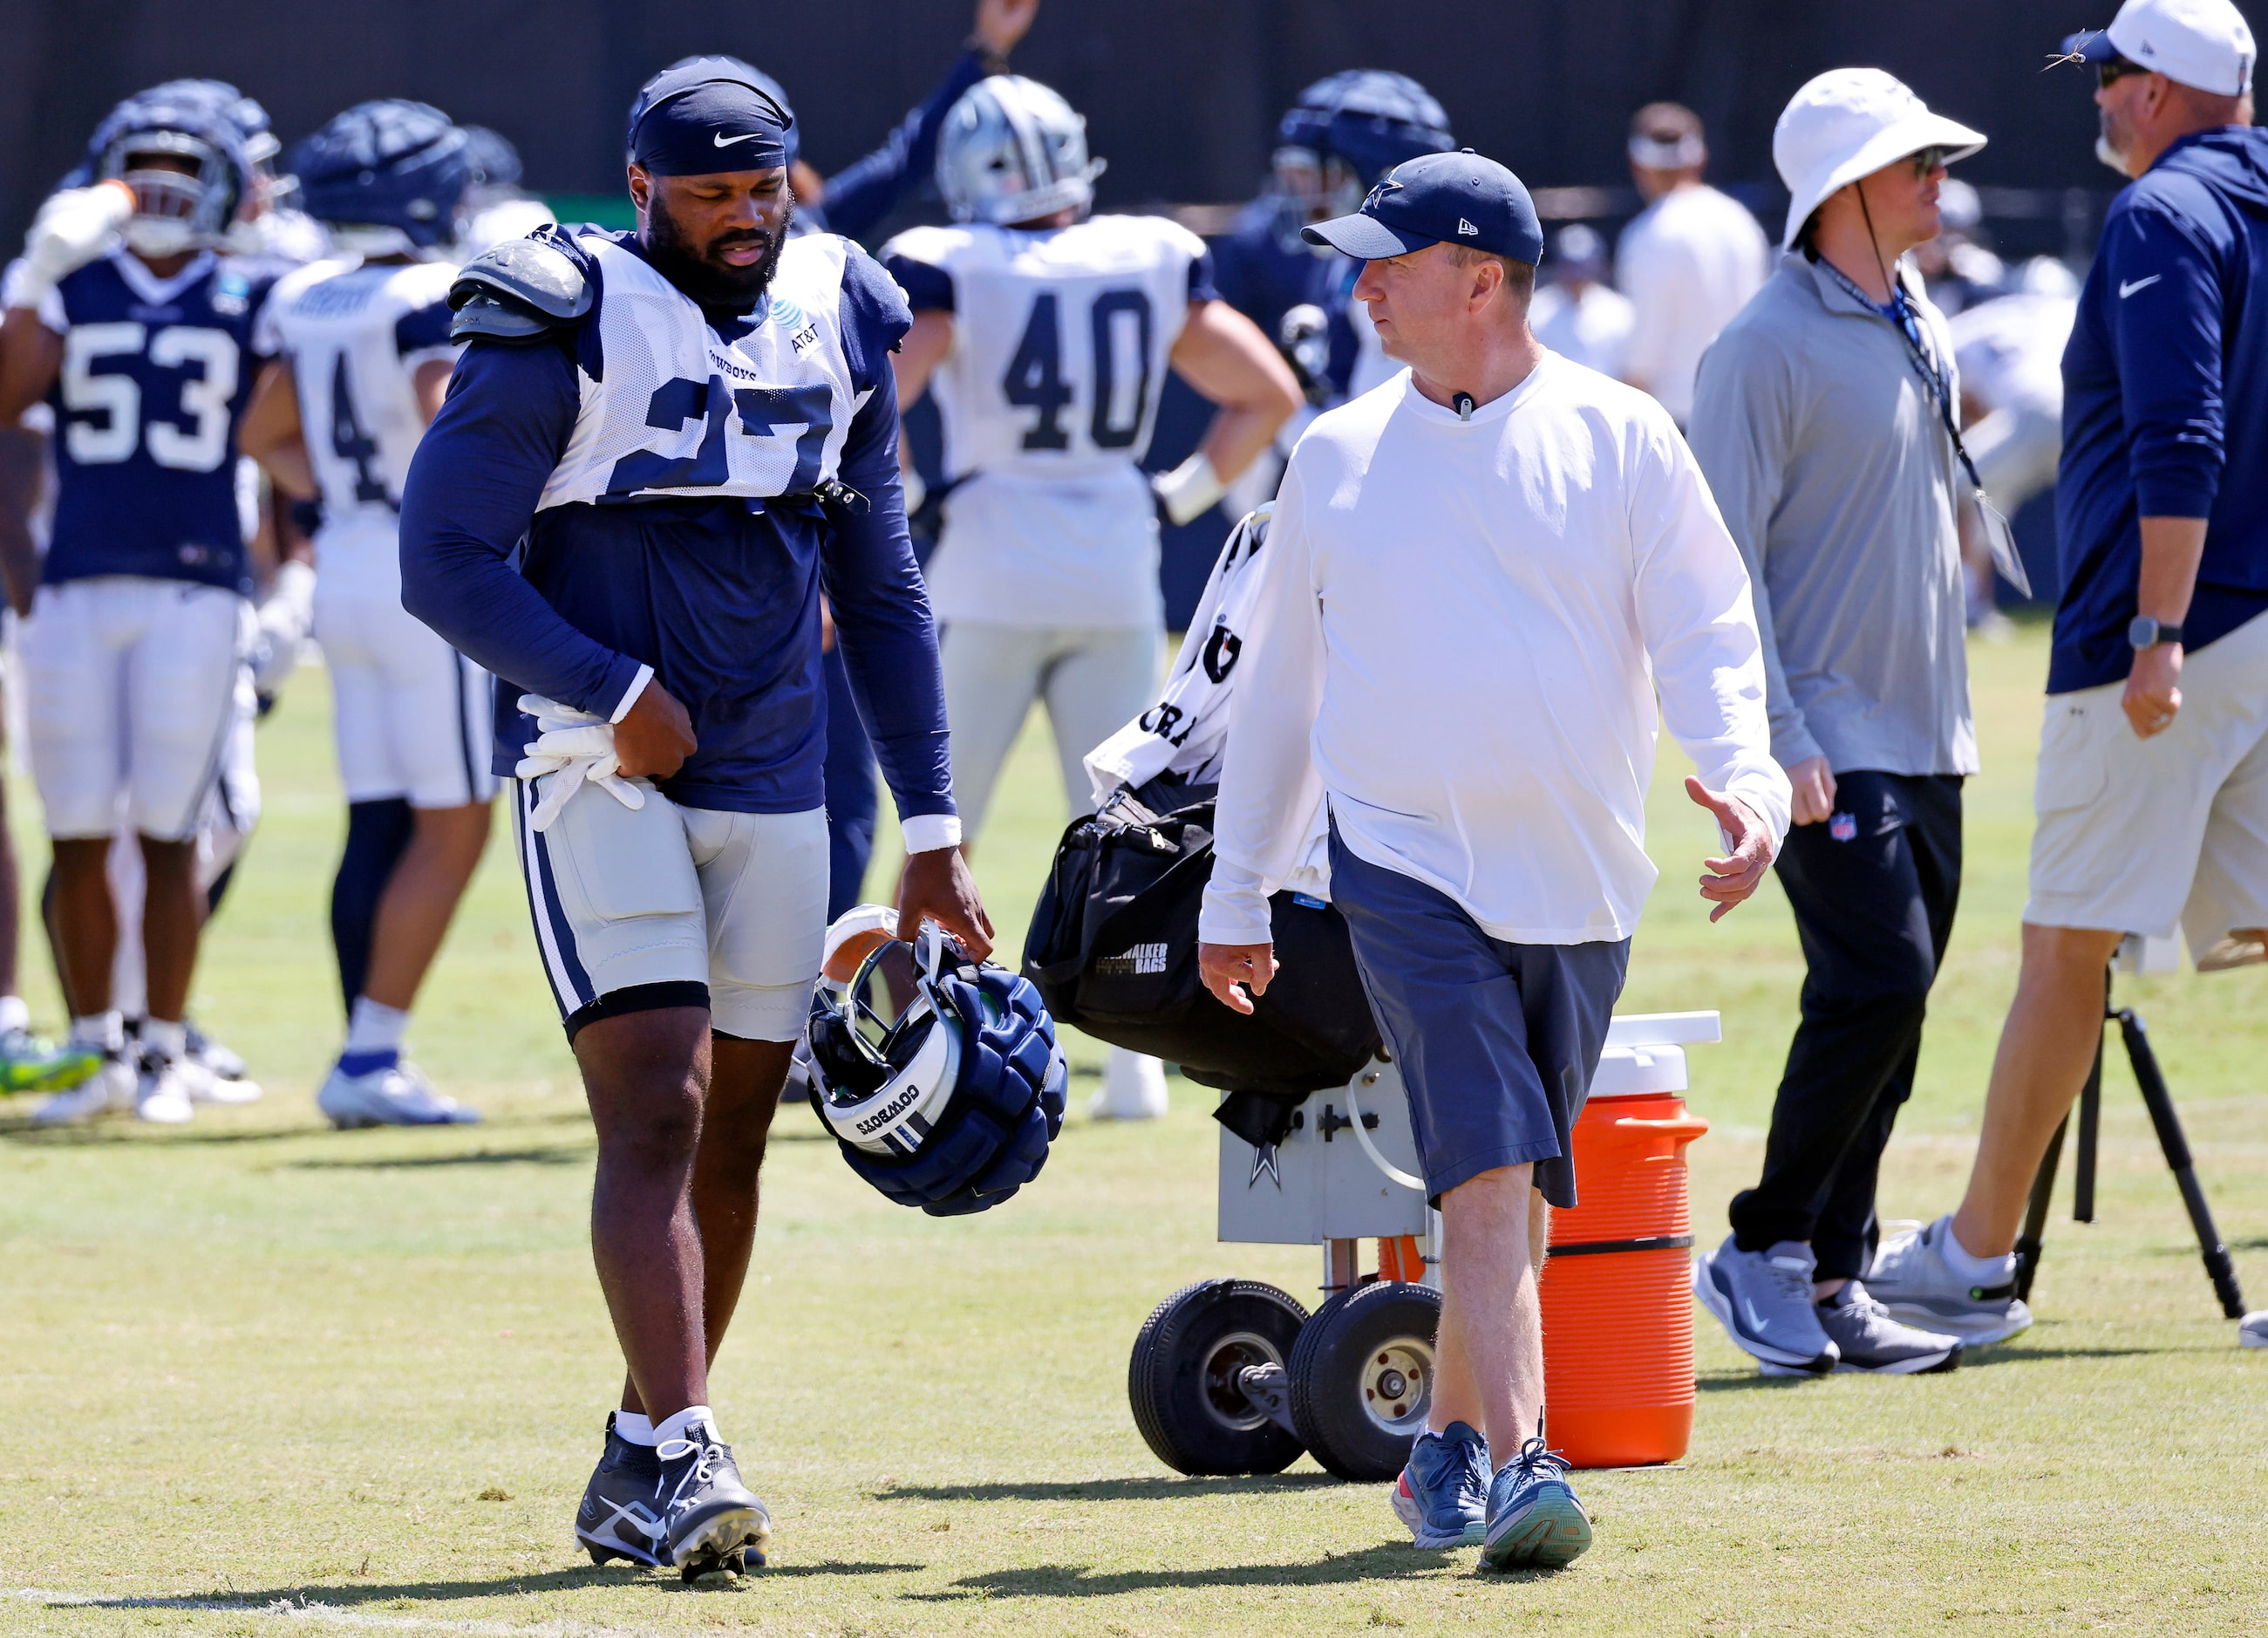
x=2143 y=632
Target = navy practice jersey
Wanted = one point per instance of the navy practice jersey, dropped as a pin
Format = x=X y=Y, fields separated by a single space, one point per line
x=155 y=375
x=632 y=466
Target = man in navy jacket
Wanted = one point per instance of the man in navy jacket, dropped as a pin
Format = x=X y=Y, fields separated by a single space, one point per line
x=2153 y=783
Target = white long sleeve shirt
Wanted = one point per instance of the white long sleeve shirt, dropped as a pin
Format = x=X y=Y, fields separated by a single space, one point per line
x=1689 y=262
x=1457 y=640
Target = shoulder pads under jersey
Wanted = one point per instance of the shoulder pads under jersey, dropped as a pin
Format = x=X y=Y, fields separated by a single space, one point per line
x=520 y=289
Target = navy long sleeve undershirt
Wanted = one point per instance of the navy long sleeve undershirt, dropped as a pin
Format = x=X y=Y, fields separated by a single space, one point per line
x=722 y=601
x=862 y=193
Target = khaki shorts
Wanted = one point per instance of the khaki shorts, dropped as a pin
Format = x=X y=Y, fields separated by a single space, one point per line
x=671 y=906
x=2146 y=836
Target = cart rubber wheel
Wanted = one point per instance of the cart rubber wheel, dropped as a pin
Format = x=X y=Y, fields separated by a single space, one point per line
x=1182 y=1381
x=1362 y=1378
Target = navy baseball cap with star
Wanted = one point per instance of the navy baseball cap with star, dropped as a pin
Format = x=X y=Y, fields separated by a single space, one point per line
x=1457 y=199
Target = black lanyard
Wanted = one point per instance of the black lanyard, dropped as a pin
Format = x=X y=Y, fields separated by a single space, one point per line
x=1908 y=325
x=2000 y=538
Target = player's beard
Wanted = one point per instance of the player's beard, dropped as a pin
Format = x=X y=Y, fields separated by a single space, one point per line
x=701 y=272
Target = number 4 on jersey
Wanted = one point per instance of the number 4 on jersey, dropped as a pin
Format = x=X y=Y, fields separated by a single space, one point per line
x=352 y=444
x=1035 y=379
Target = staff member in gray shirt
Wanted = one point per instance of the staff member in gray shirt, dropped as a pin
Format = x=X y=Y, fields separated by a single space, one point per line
x=1821 y=419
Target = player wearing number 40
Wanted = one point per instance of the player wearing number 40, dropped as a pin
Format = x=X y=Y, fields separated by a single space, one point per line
x=141 y=340
x=1045 y=336
x=362 y=358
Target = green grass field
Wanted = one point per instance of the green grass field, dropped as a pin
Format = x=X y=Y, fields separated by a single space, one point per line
x=259 y=1378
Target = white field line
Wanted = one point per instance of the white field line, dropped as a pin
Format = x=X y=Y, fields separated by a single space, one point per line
x=320 y=1614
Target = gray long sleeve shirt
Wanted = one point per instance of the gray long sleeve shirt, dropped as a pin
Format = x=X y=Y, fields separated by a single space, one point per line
x=1829 y=457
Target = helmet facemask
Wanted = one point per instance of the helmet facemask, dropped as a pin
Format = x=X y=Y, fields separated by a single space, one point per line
x=180 y=201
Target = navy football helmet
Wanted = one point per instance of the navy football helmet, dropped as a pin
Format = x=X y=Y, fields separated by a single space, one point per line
x=1371 y=119
x=495 y=162
x=387 y=175
x=185 y=159
x=939 y=1077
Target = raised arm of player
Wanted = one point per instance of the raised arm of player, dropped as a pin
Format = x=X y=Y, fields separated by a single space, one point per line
x=1223 y=355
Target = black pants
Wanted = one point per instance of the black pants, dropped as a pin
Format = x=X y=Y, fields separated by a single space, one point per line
x=1874 y=890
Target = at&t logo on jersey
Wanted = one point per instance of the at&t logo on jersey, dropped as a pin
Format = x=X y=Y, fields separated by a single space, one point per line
x=802 y=335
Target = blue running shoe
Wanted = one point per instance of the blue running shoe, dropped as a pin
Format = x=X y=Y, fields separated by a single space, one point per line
x=1442 y=1494
x=1534 y=1519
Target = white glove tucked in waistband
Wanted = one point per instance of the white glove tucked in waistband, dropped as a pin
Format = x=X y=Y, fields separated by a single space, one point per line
x=578 y=747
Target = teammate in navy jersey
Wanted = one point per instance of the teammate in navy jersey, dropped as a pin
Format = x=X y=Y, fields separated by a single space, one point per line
x=140 y=339
x=678 y=435
x=366 y=356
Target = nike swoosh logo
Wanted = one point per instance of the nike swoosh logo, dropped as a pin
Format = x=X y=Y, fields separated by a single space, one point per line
x=1755 y=1318
x=2125 y=290
x=722 y=141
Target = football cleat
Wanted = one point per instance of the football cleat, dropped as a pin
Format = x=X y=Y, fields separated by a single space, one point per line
x=163 y=1096
x=28 y=1063
x=396 y=1096
x=217 y=1058
x=619 y=1517
x=109 y=1090
x=713 y=1522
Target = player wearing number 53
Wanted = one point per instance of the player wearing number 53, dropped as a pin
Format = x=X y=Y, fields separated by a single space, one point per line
x=141 y=341
x=688 y=426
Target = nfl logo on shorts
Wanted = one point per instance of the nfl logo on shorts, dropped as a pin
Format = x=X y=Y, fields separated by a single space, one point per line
x=1843 y=827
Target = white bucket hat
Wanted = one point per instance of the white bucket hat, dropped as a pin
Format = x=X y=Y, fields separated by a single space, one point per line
x=1848 y=123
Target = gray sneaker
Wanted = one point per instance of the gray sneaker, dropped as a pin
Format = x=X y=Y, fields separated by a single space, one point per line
x=1911 y=1280
x=1869 y=1340
x=1764 y=1300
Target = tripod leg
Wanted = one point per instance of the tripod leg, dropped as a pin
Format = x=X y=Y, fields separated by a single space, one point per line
x=2160 y=1103
x=2036 y=1213
x=2090 y=1125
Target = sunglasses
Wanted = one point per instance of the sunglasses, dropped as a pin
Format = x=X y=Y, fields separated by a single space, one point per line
x=2108 y=74
x=1927 y=160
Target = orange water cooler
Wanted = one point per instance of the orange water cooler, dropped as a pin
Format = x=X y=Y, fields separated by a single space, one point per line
x=1618 y=1302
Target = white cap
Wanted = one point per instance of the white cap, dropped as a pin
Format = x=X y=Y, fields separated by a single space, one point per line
x=2203 y=43
x=1848 y=123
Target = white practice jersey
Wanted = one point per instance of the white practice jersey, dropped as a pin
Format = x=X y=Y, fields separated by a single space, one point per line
x=1048 y=398
x=682 y=412
x=355 y=336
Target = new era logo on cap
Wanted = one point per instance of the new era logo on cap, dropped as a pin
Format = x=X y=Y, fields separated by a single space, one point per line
x=1437 y=198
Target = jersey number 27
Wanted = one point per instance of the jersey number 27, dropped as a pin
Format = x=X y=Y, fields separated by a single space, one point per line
x=1035 y=376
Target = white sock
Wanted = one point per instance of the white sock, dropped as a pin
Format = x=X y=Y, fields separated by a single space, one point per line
x=1978 y=1270
x=633 y=1426
x=167 y=1040
x=375 y=1027
x=13 y=1014
x=102 y=1032
x=672 y=1428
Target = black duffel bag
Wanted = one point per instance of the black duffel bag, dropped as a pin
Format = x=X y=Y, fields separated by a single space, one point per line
x=1113 y=949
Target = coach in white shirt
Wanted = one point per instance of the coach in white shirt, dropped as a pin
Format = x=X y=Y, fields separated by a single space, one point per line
x=1689 y=262
x=1477 y=577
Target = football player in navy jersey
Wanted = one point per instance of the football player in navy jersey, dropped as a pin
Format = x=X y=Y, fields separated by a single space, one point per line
x=139 y=337
x=658 y=446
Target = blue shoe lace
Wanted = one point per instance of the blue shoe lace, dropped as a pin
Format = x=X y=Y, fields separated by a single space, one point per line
x=1538 y=1461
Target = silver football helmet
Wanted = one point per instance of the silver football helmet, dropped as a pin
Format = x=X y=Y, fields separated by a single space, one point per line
x=1012 y=150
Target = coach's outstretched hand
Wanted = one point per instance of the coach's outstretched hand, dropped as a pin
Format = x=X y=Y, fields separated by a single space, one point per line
x=1229 y=969
x=936 y=885
x=653 y=740
x=1733 y=878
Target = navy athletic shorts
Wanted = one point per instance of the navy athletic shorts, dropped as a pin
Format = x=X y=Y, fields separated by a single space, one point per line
x=1498 y=1042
